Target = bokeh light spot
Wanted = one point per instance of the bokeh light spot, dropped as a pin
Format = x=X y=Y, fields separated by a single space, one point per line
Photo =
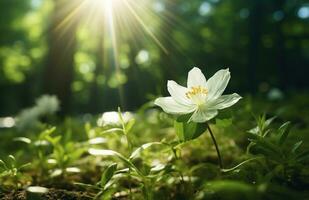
x=205 y=8
x=303 y=12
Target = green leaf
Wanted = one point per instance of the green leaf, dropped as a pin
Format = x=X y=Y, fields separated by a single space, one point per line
x=228 y=189
x=188 y=130
x=53 y=140
x=266 y=133
x=264 y=145
x=3 y=164
x=108 y=174
x=137 y=152
x=5 y=173
x=24 y=166
x=129 y=125
x=254 y=130
x=284 y=131
x=22 y=139
x=269 y=121
x=113 y=130
x=262 y=126
x=104 y=152
x=88 y=186
x=296 y=146
x=12 y=160
x=98 y=195
x=303 y=156
x=47 y=132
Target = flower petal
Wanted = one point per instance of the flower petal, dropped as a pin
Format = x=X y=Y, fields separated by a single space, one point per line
x=217 y=83
x=169 y=105
x=196 y=78
x=178 y=93
x=200 y=116
x=226 y=101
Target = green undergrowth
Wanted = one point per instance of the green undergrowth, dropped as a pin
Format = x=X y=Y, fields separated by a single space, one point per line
x=264 y=147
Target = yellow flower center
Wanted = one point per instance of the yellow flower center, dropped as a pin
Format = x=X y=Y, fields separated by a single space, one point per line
x=196 y=92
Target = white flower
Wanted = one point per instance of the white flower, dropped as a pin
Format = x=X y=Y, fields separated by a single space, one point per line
x=200 y=97
x=47 y=104
x=112 y=118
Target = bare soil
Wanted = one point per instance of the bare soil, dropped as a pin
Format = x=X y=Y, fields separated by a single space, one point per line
x=52 y=194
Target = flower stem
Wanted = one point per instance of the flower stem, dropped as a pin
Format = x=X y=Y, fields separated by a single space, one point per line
x=216 y=145
x=177 y=158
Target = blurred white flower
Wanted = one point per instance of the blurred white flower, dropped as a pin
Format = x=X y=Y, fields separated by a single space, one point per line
x=112 y=118
x=202 y=98
x=7 y=122
x=27 y=118
x=47 y=104
x=275 y=94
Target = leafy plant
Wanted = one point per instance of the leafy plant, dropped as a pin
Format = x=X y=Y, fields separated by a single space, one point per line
x=63 y=154
x=282 y=160
x=188 y=130
x=103 y=187
x=11 y=175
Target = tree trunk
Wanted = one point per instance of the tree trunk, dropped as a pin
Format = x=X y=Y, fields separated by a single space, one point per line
x=59 y=69
x=255 y=23
x=280 y=48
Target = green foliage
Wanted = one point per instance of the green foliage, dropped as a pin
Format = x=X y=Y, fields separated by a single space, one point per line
x=103 y=186
x=187 y=131
x=108 y=174
x=284 y=159
x=141 y=157
x=63 y=154
x=273 y=148
x=228 y=190
x=11 y=174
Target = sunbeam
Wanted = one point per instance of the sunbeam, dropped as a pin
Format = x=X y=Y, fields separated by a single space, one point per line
x=142 y=23
x=117 y=23
x=108 y=8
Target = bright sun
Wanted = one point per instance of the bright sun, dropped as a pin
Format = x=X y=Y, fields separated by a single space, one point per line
x=105 y=4
x=115 y=14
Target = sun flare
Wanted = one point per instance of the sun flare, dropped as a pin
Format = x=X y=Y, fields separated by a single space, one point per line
x=117 y=28
x=124 y=14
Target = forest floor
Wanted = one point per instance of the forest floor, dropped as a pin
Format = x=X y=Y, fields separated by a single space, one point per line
x=140 y=156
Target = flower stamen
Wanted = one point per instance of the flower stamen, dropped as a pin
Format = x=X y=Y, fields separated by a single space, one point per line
x=195 y=91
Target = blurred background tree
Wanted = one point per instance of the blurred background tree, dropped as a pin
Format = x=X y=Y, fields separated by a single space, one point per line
x=98 y=54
